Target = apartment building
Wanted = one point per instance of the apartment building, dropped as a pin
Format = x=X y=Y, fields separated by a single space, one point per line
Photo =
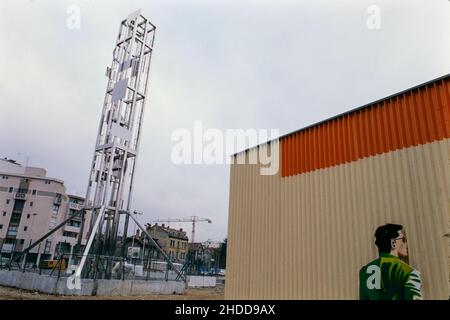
x=31 y=204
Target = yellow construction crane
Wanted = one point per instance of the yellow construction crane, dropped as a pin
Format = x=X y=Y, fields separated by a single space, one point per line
x=192 y=219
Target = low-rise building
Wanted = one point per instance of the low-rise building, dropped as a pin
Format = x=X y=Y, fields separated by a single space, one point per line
x=173 y=242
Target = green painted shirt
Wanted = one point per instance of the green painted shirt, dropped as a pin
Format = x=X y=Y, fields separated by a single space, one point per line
x=389 y=278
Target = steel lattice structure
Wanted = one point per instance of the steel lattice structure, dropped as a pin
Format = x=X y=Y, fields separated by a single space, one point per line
x=110 y=186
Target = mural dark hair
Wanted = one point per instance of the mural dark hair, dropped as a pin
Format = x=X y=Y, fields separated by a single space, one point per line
x=385 y=234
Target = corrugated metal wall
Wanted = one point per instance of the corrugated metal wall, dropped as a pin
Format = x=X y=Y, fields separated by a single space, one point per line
x=305 y=237
x=409 y=119
x=305 y=232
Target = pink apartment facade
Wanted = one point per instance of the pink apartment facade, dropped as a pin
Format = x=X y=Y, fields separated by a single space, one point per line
x=31 y=204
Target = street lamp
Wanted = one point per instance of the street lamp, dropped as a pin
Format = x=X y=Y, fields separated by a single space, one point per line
x=134 y=232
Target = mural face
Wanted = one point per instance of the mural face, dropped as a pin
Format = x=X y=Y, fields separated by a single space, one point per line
x=400 y=246
x=389 y=277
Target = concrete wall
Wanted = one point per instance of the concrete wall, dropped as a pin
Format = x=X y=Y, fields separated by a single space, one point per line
x=201 y=281
x=51 y=285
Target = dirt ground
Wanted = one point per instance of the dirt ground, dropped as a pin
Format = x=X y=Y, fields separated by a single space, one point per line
x=216 y=293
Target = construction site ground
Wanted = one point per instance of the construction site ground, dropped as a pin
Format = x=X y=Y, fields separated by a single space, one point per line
x=216 y=293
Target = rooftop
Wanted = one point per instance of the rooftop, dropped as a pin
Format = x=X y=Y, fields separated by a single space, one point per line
x=406 y=91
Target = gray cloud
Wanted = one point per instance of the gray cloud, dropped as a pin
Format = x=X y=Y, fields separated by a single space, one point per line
x=231 y=64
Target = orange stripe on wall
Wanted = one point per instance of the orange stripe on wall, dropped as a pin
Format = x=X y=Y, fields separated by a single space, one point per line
x=416 y=117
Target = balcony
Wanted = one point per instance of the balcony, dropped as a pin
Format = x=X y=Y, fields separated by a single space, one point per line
x=7 y=247
x=11 y=233
x=72 y=229
x=72 y=241
x=75 y=206
x=20 y=196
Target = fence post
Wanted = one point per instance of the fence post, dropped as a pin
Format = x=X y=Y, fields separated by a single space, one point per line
x=38 y=258
x=149 y=262
x=70 y=256
x=95 y=267
x=60 y=265
x=123 y=267
x=12 y=255
x=167 y=271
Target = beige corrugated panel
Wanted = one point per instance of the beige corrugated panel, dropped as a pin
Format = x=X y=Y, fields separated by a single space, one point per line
x=307 y=236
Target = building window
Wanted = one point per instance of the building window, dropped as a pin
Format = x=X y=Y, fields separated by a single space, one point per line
x=22 y=241
x=72 y=223
x=47 y=182
x=4 y=213
x=70 y=234
x=7 y=201
x=15 y=218
x=31 y=203
x=34 y=192
x=5 y=177
x=28 y=216
x=52 y=223
x=25 y=228
x=55 y=210
x=11 y=189
x=12 y=231
x=1 y=226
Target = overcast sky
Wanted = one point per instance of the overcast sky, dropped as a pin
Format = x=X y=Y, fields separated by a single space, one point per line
x=230 y=64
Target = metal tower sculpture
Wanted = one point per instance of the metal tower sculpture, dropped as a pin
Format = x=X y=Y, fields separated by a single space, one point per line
x=112 y=173
x=110 y=187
